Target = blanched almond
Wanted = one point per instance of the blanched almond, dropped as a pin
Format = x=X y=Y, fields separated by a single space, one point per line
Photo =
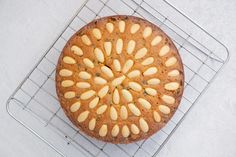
x=110 y=27
x=172 y=86
x=67 y=83
x=83 y=85
x=116 y=64
x=122 y=26
x=134 y=109
x=164 y=109
x=150 y=71
x=127 y=95
x=93 y=103
x=153 y=81
x=92 y=124
x=97 y=33
x=147 y=32
x=173 y=73
x=101 y=109
x=127 y=66
x=123 y=112
x=156 y=116
x=141 y=53
x=103 y=130
x=88 y=94
x=69 y=60
x=131 y=46
x=168 y=99
x=116 y=97
x=108 y=47
x=171 y=61
x=86 y=40
x=119 y=46
x=65 y=72
x=125 y=131
x=107 y=71
x=99 y=54
x=77 y=50
x=134 y=129
x=135 y=86
x=83 y=116
x=143 y=125
x=69 y=95
x=156 y=40
x=144 y=103
x=75 y=107
x=148 y=61
x=117 y=81
x=134 y=28
x=115 y=130
x=88 y=63
x=84 y=75
x=134 y=73
x=164 y=50
x=113 y=113
x=151 y=91
x=100 y=80
x=103 y=92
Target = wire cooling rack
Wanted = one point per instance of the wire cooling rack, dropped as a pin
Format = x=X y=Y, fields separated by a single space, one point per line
x=34 y=103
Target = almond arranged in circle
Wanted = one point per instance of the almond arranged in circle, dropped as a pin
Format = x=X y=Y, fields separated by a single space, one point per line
x=119 y=79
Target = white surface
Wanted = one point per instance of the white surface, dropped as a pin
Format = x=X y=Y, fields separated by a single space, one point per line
x=27 y=29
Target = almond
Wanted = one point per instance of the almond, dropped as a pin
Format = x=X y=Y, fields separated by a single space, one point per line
x=103 y=130
x=67 y=83
x=65 y=73
x=97 y=33
x=83 y=85
x=99 y=54
x=131 y=46
x=127 y=66
x=127 y=95
x=77 y=50
x=83 y=116
x=92 y=124
x=125 y=131
x=147 y=32
x=110 y=27
x=164 y=109
x=156 y=40
x=134 y=28
x=134 y=109
x=122 y=26
x=119 y=46
x=88 y=63
x=85 y=39
x=88 y=94
x=143 y=125
x=94 y=102
x=108 y=47
x=141 y=53
x=75 y=107
x=115 y=130
x=69 y=60
x=69 y=95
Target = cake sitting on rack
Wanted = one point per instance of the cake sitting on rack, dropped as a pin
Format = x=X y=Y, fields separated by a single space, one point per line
x=119 y=79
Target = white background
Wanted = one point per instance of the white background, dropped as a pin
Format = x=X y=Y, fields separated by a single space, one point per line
x=27 y=29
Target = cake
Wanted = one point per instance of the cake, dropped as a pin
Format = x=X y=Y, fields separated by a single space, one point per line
x=119 y=79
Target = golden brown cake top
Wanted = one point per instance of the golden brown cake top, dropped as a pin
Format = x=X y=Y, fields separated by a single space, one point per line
x=119 y=79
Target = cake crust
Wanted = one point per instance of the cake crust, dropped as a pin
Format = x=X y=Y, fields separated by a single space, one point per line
x=112 y=118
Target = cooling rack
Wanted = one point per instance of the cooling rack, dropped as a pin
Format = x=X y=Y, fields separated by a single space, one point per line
x=35 y=106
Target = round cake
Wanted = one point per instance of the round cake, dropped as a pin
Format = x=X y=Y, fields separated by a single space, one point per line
x=119 y=79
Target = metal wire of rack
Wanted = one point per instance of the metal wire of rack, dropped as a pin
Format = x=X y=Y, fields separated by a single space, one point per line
x=34 y=103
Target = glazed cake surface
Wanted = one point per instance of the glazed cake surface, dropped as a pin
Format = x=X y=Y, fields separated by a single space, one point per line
x=119 y=79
